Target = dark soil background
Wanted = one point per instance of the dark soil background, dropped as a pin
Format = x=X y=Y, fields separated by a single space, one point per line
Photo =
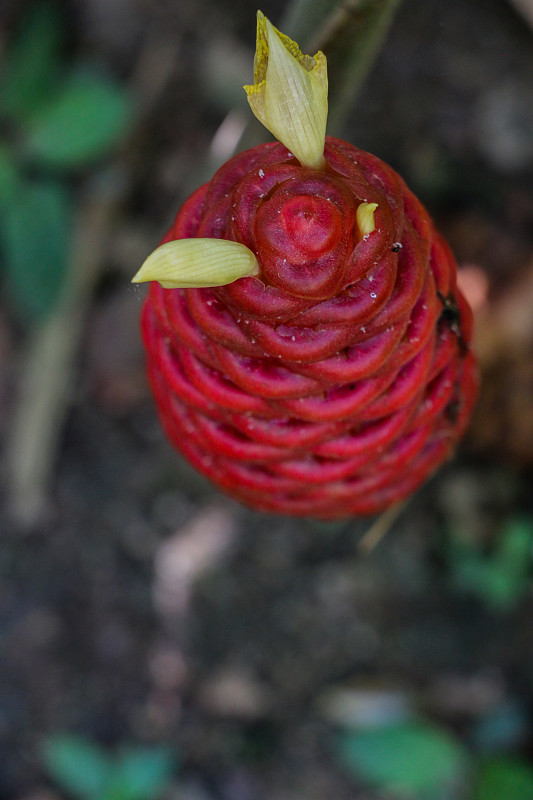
x=139 y=604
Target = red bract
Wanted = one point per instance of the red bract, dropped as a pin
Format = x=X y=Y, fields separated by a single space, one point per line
x=340 y=378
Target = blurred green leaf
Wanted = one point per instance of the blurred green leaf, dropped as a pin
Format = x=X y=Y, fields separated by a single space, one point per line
x=500 y=579
x=141 y=773
x=77 y=766
x=484 y=578
x=31 y=66
x=514 y=551
x=504 y=779
x=84 y=121
x=34 y=239
x=411 y=759
x=9 y=177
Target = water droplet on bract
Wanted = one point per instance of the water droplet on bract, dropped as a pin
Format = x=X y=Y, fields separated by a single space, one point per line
x=373 y=295
x=137 y=291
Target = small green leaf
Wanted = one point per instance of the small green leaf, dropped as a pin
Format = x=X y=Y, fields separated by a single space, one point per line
x=504 y=779
x=34 y=239
x=412 y=759
x=77 y=766
x=31 y=66
x=82 y=123
x=143 y=772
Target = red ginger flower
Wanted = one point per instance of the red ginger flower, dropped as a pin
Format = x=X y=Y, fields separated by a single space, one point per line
x=336 y=377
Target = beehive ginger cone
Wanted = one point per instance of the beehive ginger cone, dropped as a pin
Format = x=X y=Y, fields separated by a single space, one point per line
x=330 y=373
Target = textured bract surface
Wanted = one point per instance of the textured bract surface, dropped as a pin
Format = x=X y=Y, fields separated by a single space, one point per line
x=340 y=378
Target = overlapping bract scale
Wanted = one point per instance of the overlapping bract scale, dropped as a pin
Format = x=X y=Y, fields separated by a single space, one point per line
x=339 y=379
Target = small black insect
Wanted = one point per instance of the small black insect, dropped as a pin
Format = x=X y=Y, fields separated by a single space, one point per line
x=452 y=410
x=451 y=316
x=450 y=313
x=396 y=247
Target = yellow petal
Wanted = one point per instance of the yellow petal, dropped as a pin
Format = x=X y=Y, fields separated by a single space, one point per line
x=290 y=93
x=197 y=263
x=365 y=218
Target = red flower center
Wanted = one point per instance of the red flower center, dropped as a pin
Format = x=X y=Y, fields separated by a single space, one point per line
x=306 y=228
x=303 y=234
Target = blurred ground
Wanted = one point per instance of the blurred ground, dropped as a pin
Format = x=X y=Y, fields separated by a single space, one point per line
x=143 y=605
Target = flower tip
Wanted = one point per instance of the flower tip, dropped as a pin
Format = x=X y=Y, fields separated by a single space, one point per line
x=365 y=218
x=139 y=276
x=289 y=95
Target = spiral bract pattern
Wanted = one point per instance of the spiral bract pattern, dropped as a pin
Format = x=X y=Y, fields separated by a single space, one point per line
x=340 y=378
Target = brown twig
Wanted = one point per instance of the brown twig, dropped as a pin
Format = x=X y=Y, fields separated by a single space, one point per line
x=379 y=529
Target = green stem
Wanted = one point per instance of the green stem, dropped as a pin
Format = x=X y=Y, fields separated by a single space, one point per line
x=352 y=39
